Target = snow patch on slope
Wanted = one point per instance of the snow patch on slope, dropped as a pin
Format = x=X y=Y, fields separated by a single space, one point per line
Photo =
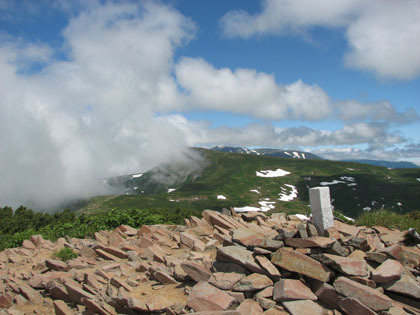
x=288 y=196
x=269 y=173
x=171 y=190
x=221 y=197
x=136 y=175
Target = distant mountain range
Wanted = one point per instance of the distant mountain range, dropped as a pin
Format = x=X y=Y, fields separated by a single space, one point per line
x=388 y=164
x=292 y=154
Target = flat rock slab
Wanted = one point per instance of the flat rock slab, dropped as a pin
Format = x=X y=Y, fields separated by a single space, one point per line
x=268 y=266
x=303 y=307
x=327 y=295
x=248 y=237
x=307 y=242
x=390 y=270
x=225 y=280
x=61 y=308
x=366 y=295
x=407 y=285
x=300 y=263
x=205 y=297
x=346 y=229
x=354 y=306
x=253 y=282
x=196 y=271
x=406 y=255
x=249 y=306
x=289 y=289
x=239 y=256
x=346 y=265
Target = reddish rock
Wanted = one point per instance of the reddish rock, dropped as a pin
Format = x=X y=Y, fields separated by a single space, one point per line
x=128 y=230
x=390 y=270
x=28 y=244
x=353 y=306
x=317 y=241
x=268 y=266
x=248 y=238
x=266 y=293
x=61 y=308
x=249 y=307
x=346 y=229
x=164 y=278
x=288 y=289
x=239 y=256
x=253 y=282
x=216 y=218
x=300 y=263
x=118 y=282
x=366 y=295
x=144 y=242
x=38 y=240
x=96 y=308
x=346 y=265
x=195 y=271
x=57 y=265
x=156 y=303
x=57 y=290
x=225 y=281
x=87 y=252
x=106 y=255
x=406 y=255
x=39 y=280
x=75 y=291
x=205 y=297
x=6 y=301
x=327 y=295
x=114 y=251
x=407 y=285
x=137 y=305
x=303 y=307
x=30 y=294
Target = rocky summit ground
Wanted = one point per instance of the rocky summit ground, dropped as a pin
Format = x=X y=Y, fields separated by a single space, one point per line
x=225 y=263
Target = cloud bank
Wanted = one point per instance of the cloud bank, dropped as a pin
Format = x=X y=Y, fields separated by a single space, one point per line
x=93 y=114
x=383 y=36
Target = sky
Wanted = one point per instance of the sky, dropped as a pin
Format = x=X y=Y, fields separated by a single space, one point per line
x=91 y=89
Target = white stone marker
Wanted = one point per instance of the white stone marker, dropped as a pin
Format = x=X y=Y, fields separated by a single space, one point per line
x=321 y=208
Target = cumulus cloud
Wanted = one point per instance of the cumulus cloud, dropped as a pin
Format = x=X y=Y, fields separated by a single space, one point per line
x=93 y=114
x=247 y=91
x=383 y=35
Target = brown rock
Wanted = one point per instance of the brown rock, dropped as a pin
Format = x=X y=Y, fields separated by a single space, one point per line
x=156 y=303
x=57 y=290
x=346 y=229
x=106 y=255
x=61 y=308
x=114 y=251
x=38 y=240
x=128 y=230
x=118 y=282
x=6 y=301
x=28 y=244
x=137 y=305
x=390 y=270
x=303 y=307
x=378 y=257
x=268 y=266
x=195 y=271
x=39 y=280
x=353 y=306
x=239 y=256
x=75 y=291
x=164 y=278
x=346 y=265
x=253 y=282
x=225 y=281
x=87 y=252
x=366 y=295
x=406 y=255
x=250 y=306
x=288 y=289
x=205 y=297
x=30 y=294
x=297 y=262
x=327 y=295
x=96 y=308
x=266 y=293
x=57 y=265
x=275 y=311
x=317 y=241
x=266 y=303
x=248 y=238
x=407 y=285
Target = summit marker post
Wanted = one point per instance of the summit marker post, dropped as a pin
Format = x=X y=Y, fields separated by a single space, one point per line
x=322 y=214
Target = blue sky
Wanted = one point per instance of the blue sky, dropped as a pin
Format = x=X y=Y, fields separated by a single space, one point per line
x=96 y=88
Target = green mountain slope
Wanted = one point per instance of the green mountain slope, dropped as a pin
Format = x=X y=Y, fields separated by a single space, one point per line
x=356 y=186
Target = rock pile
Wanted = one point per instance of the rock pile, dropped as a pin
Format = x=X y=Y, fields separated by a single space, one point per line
x=221 y=264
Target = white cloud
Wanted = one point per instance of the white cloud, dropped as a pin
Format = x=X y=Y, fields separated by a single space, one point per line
x=383 y=35
x=92 y=115
x=249 y=92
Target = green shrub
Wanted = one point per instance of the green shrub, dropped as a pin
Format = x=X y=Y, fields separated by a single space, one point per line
x=65 y=254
